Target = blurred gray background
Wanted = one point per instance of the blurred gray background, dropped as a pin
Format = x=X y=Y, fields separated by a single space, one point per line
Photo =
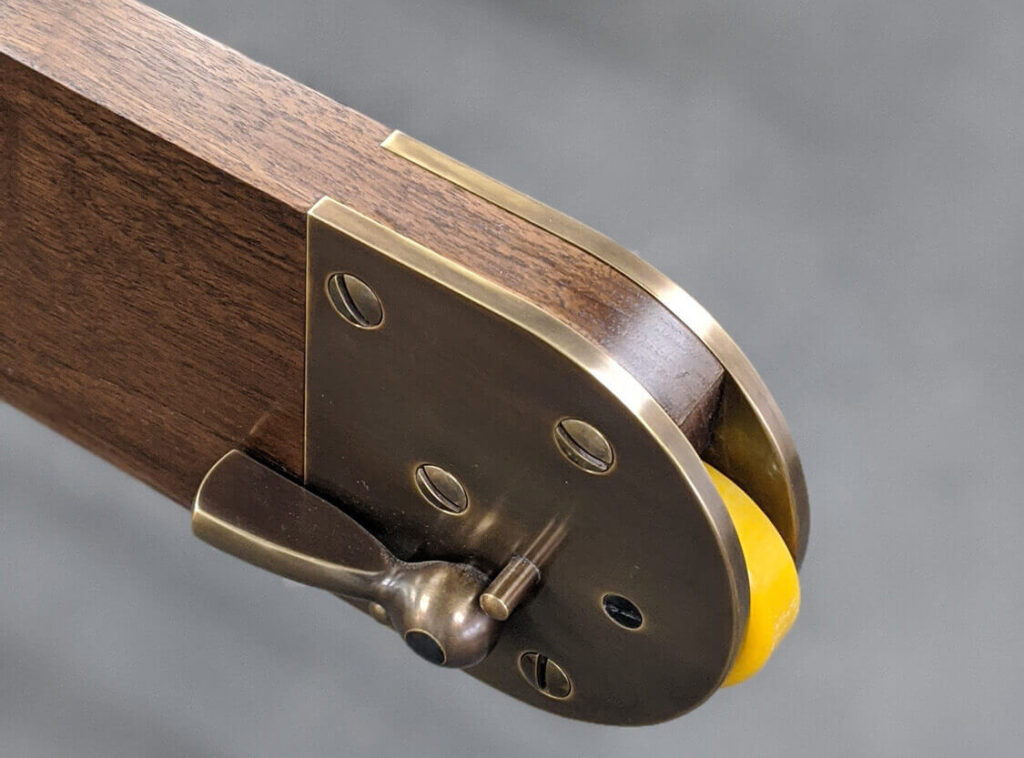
x=840 y=183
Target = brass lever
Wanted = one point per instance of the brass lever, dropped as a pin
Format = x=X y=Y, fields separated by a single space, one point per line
x=246 y=509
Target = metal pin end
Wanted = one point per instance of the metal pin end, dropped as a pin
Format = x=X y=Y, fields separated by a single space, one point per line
x=379 y=613
x=509 y=588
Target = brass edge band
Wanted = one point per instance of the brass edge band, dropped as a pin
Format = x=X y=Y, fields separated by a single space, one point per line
x=577 y=349
x=683 y=306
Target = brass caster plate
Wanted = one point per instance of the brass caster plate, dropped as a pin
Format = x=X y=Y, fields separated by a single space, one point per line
x=456 y=421
x=752 y=441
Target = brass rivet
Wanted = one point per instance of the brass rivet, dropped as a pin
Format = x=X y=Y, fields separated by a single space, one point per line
x=379 y=613
x=545 y=676
x=441 y=489
x=584 y=446
x=354 y=301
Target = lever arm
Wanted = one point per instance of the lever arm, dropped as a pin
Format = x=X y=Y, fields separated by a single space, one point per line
x=246 y=509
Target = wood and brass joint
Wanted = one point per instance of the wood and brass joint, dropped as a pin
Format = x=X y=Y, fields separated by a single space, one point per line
x=495 y=486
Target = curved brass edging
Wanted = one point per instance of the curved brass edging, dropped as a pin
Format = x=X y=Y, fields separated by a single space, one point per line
x=790 y=517
x=579 y=350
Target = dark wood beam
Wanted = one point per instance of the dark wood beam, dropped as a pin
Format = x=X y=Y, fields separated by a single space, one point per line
x=153 y=188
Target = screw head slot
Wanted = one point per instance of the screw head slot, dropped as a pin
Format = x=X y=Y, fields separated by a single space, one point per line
x=355 y=301
x=584 y=446
x=545 y=676
x=622 y=611
x=441 y=489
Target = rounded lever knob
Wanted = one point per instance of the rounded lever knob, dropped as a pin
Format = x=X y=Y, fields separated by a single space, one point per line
x=434 y=606
x=254 y=513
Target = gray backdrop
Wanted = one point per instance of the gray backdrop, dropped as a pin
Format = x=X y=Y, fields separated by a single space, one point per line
x=838 y=182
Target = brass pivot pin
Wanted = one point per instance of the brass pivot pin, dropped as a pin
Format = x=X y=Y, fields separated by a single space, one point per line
x=509 y=587
x=520 y=574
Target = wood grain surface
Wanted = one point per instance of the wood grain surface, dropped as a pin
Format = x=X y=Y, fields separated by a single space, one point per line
x=153 y=191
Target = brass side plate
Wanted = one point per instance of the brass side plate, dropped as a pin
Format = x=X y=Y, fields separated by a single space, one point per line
x=425 y=364
x=751 y=441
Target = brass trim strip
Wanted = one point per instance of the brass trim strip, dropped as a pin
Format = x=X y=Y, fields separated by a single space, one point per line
x=578 y=349
x=680 y=303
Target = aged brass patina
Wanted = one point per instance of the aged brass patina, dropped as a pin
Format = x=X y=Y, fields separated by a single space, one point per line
x=468 y=378
x=496 y=488
x=752 y=440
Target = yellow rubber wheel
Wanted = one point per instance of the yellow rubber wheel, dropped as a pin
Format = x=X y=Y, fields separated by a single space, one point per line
x=774 y=586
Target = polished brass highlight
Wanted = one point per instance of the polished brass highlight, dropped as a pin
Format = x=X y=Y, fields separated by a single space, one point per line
x=246 y=509
x=474 y=379
x=509 y=588
x=751 y=443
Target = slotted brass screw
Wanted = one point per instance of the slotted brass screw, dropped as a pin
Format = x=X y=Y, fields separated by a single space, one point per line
x=355 y=301
x=584 y=446
x=545 y=676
